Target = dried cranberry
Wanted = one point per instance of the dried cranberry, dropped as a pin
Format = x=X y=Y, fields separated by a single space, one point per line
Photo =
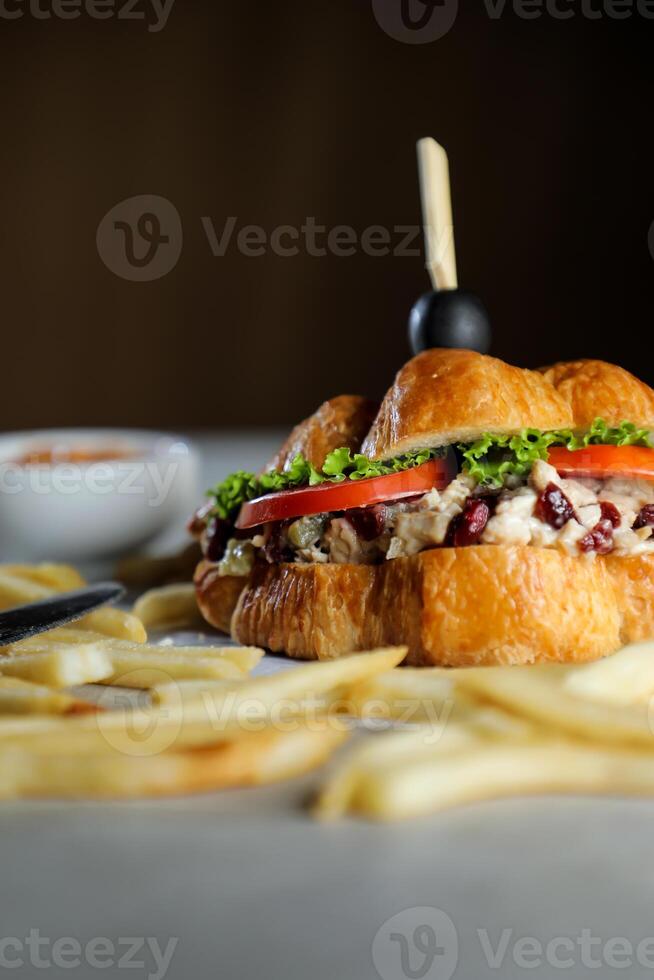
x=553 y=507
x=610 y=513
x=645 y=518
x=368 y=522
x=467 y=527
x=600 y=539
x=215 y=538
x=276 y=548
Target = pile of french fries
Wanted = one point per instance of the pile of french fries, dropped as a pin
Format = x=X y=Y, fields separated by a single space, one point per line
x=169 y=719
x=206 y=723
x=489 y=732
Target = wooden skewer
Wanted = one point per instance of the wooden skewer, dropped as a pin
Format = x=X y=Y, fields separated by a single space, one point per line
x=437 y=214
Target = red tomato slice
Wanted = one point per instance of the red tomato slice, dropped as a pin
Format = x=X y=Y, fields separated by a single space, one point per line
x=329 y=497
x=603 y=462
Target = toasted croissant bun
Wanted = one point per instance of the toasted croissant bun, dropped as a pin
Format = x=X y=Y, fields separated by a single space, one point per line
x=595 y=389
x=217 y=595
x=341 y=421
x=448 y=396
x=633 y=581
x=451 y=606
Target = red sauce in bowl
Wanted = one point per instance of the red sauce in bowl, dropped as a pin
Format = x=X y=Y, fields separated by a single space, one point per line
x=57 y=455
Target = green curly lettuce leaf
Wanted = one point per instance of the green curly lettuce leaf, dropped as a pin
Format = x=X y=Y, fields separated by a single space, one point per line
x=228 y=496
x=340 y=465
x=601 y=434
x=490 y=459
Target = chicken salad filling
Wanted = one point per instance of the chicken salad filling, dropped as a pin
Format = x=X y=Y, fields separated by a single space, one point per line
x=506 y=493
x=583 y=517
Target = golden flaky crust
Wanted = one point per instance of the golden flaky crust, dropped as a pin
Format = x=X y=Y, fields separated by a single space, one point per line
x=451 y=606
x=217 y=594
x=595 y=389
x=342 y=421
x=633 y=580
x=313 y=612
x=449 y=396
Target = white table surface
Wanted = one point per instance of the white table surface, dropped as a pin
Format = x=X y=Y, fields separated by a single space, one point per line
x=251 y=887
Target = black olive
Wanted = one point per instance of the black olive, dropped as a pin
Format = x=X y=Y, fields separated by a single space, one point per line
x=449 y=318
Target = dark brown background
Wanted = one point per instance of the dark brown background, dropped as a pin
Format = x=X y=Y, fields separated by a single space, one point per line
x=275 y=111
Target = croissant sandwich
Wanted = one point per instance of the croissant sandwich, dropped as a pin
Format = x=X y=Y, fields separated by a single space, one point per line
x=486 y=514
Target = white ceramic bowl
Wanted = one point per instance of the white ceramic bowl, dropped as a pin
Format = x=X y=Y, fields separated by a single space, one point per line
x=88 y=510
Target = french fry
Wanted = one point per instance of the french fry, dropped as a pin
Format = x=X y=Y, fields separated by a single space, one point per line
x=221 y=702
x=152 y=667
x=16 y=589
x=188 y=691
x=542 y=694
x=59 y=665
x=246 y=658
x=627 y=677
x=411 y=695
x=398 y=749
x=142 y=666
x=115 y=623
x=21 y=584
x=139 y=732
x=289 y=692
x=263 y=758
x=169 y=607
x=383 y=790
x=59 y=578
x=19 y=697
